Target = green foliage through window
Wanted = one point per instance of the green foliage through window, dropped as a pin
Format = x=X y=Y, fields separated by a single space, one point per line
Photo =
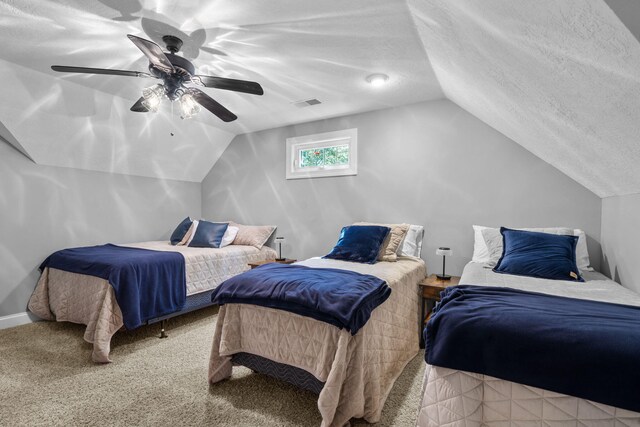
x=328 y=156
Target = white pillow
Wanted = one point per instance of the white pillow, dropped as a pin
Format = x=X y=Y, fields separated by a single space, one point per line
x=493 y=240
x=480 y=249
x=582 y=255
x=485 y=254
x=192 y=230
x=412 y=243
x=187 y=236
x=229 y=236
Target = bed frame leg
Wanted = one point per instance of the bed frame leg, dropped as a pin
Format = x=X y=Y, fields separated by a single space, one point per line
x=163 y=325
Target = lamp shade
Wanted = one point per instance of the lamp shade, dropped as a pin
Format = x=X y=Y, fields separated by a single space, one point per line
x=444 y=251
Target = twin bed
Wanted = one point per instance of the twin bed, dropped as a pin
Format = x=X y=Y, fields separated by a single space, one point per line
x=67 y=296
x=455 y=397
x=353 y=373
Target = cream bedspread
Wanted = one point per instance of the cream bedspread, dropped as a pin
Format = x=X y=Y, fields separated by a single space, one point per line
x=358 y=370
x=464 y=399
x=89 y=300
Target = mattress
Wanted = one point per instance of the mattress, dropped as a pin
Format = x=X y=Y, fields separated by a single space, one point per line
x=458 y=398
x=89 y=300
x=596 y=286
x=359 y=370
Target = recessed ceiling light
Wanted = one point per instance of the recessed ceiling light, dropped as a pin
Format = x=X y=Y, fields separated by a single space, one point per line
x=377 y=79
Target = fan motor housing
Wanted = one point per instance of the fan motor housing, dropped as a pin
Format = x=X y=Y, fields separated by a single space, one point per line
x=173 y=82
x=177 y=62
x=173 y=43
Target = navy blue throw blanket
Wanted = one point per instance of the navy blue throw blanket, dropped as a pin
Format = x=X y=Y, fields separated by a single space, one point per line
x=340 y=297
x=147 y=284
x=587 y=349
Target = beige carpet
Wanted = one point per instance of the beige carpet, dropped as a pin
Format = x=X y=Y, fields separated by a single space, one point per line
x=47 y=378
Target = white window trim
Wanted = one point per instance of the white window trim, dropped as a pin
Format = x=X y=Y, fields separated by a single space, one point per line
x=322 y=140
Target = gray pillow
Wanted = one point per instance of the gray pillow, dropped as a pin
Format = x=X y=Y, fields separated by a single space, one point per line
x=252 y=235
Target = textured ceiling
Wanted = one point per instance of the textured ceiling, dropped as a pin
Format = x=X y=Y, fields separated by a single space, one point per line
x=561 y=78
x=61 y=123
x=295 y=49
x=8 y=137
x=629 y=13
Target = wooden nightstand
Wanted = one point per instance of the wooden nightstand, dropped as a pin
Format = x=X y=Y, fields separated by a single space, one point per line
x=269 y=261
x=431 y=287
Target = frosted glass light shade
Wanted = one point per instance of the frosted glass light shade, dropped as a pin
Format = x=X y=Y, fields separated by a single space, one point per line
x=444 y=251
x=189 y=106
x=151 y=91
x=152 y=97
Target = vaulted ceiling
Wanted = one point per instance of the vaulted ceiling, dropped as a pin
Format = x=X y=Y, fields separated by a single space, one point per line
x=296 y=50
x=560 y=78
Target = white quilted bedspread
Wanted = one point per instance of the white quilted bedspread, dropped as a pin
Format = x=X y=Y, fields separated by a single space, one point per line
x=358 y=370
x=208 y=267
x=463 y=399
x=88 y=300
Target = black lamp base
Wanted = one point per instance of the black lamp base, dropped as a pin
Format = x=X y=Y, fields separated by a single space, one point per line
x=280 y=259
x=443 y=276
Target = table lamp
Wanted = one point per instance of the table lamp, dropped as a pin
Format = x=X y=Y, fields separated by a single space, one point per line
x=279 y=241
x=444 y=252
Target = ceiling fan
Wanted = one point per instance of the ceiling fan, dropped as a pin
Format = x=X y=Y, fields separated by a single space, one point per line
x=175 y=72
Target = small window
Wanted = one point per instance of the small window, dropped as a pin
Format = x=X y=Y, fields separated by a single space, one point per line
x=323 y=154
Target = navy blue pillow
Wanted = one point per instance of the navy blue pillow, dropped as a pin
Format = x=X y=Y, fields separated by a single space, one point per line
x=180 y=231
x=359 y=243
x=542 y=255
x=208 y=234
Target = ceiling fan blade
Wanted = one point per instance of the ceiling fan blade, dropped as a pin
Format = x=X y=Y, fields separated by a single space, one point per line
x=210 y=104
x=138 y=107
x=213 y=51
x=230 y=84
x=153 y=52
x=87 y=70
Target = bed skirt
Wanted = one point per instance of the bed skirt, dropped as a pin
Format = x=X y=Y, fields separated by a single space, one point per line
x=91 y=301
x=281 y=371
x=465 y=399
x=193 y=302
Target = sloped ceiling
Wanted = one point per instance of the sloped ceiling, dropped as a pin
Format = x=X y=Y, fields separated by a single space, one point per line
x=629 y=13
x=296 y=49
x=561 y=78
x=8 y=137
x=61 y=123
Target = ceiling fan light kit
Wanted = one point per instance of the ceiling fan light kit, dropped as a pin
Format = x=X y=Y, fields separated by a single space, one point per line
x=175 y=72
x=152 y=97
x=189 y=105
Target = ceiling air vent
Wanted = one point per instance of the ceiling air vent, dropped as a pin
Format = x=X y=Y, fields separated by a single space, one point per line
x=306 y=103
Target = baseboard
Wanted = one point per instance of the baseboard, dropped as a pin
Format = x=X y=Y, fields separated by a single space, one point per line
x=16 y=320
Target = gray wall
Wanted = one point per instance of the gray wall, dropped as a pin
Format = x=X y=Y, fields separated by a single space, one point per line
x=430 y=163
x=43 y=209
x=621 y=239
